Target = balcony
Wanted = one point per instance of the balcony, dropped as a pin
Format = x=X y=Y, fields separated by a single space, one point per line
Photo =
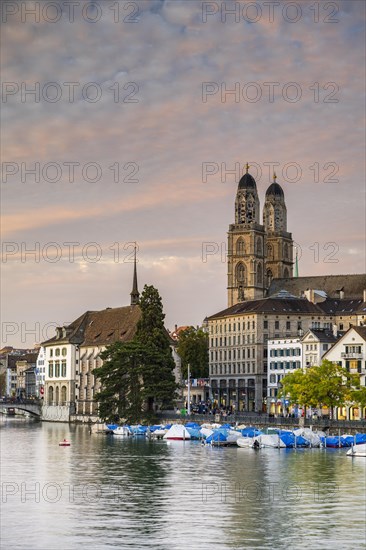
x=351 y=355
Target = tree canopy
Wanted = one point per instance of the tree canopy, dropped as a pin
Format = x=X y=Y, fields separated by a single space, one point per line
x=137 y=376
x=193 y=350
x=328 y=384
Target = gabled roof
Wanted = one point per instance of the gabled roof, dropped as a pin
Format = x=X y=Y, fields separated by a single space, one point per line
x=360 y=330
x=101 y=328
x=352 y=285
x=325 y=335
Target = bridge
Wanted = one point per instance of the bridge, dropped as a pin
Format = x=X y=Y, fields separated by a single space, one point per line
x=28 y=405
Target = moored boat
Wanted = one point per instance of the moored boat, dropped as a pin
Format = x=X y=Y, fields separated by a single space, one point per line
x=177 y=432
x=357 y=450
x=123 y=431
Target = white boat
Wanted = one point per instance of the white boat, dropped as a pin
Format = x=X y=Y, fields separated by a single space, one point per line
x=245 y=442
x=357 y=450
x=122 y=431
x=159 y=433
x=270 y=440
x=177 y=432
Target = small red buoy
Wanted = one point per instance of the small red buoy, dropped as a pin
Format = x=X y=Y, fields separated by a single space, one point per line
x=64 y=443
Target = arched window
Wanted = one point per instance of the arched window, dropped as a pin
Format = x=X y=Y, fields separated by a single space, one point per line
x=241 y=273
x=63 y=395
x=269 y=276
x=285 y=251
x=64 y=352
x=240 y=247
x=57 y=352
x=57 y=395
x=260 y=274
x=50 y=395
x=269 y=252
x=286 y=273
x=259 y=247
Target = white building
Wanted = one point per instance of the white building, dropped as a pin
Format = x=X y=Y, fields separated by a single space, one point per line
x=284 y=357
x=40 y=372
x=350 y=352
x=315 y=343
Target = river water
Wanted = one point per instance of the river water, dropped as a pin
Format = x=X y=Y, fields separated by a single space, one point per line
x=105 y=492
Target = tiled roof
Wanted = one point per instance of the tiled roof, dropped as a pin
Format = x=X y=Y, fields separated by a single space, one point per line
x=271 y=305
x=361 y=331
x=333 y=306
x=101 y=328
x=352 y=285
x=325 y=335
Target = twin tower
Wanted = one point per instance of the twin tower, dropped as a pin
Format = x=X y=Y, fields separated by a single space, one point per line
x=257 y=253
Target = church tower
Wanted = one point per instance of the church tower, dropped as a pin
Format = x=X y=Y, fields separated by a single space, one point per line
x=279 y=249
x=246 y=245
x=135 y=295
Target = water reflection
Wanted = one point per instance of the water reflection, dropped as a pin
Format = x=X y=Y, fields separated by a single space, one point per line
x=110 y=492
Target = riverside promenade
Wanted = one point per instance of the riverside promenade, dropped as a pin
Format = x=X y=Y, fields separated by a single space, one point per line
x=265 y=421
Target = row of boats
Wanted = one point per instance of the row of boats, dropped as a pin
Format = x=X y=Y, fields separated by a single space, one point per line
x=244 y=436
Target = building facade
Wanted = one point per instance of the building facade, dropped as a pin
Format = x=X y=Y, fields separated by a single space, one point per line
x=257 y=252
x=350 y=353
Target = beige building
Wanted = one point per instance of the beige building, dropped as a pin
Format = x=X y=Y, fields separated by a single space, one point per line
x=265 y=301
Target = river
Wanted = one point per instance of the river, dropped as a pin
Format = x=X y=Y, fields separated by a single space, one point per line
x=105 y=492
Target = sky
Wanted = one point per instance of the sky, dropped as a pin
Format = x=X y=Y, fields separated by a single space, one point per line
x=129 y=122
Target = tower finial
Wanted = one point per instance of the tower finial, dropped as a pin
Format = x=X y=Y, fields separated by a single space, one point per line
x=274 y=176
x=135 y=293
x=247 y=167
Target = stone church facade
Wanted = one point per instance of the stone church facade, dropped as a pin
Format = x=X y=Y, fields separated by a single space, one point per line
x=257 y=252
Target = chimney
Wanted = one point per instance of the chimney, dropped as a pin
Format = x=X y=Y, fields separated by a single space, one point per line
x=175 y=328
x=364 y=295
x=341 y=294
x=335 y=330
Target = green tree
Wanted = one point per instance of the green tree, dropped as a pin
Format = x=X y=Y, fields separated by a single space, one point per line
x=193 y=350
x=327 y=384
x=158 y=375
x=138 y=374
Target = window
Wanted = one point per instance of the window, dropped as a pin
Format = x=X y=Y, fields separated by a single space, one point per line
x=277 y=325
x=57 y=369
x=288 y=325
x=64 y=352
x=51 y=352
x=240 y=247
x=50 y=369
x=63 y=369
x=265 y=324
x=57 y=352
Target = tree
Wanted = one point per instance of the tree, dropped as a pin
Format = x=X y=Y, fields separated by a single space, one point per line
x=193 y=350
x=158 y=376
x=138 y=374
x=327 y=384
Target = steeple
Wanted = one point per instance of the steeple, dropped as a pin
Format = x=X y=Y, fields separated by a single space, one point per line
x=135 y=293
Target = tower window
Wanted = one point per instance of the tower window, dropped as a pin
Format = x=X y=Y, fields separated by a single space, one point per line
x=240 y=247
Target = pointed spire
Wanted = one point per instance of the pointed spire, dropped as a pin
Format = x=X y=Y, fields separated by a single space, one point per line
x=247 y=167
x=274 y=177
x=296 y=274
x=135 y=293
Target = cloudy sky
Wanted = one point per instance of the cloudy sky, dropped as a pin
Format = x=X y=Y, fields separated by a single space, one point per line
x=118 y=125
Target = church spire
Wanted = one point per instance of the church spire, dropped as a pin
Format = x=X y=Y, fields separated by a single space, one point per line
x=135 y=293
